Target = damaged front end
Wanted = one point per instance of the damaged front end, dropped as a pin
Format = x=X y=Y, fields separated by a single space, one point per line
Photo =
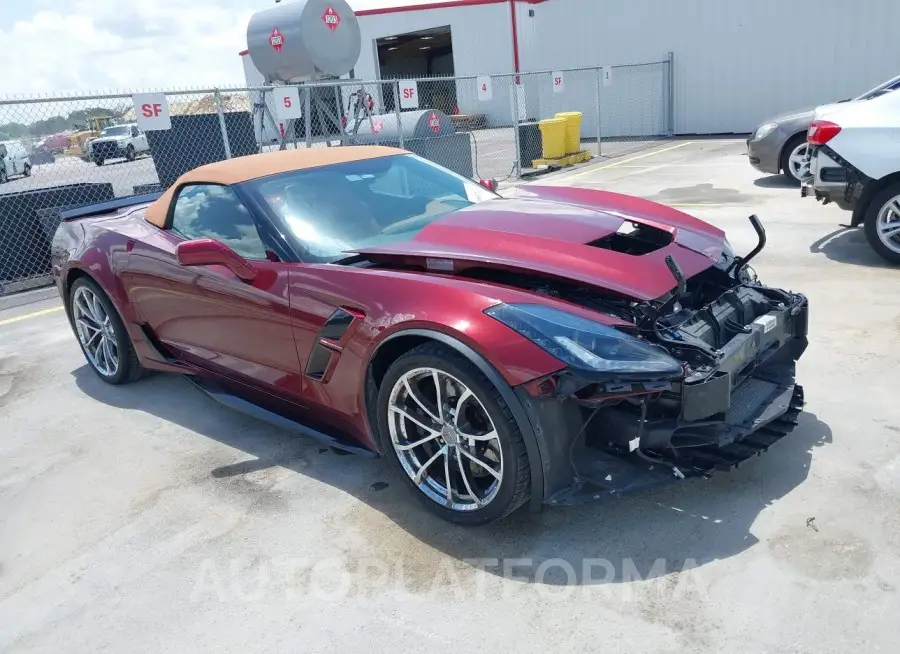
x=699 y=380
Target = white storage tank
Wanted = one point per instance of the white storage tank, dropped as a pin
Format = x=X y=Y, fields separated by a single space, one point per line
x=303 y=40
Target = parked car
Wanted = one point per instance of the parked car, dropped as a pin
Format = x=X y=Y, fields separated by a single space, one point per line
x=545 y=347
x=117 y=142
x=13 y=160
x=854 y=156
x=779 y=144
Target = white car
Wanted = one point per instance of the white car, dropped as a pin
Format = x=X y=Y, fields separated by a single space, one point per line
x=118 y=142
x=854 y=161
x=13 y=160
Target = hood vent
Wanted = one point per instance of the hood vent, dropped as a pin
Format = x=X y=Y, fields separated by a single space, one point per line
x=635 y=239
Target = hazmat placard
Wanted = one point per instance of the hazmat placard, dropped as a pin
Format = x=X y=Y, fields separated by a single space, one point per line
x=152 y=111
x=559 y=82
x=287 y=103
x=607 y=75
x=485 y=89
x=409 y=94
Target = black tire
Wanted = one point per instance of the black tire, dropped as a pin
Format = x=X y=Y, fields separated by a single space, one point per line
x=98 y=161
x=27 y=171
x=515 y=484
x=870 y=223
x=130 y=368
x=129 y=153
x=785 y=163
x=3 y=177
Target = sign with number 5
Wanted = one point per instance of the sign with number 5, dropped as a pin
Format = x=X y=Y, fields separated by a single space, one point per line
x=559 y=82
x=287 y=103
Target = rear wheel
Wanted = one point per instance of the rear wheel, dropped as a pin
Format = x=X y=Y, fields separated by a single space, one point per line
x=129 y=153
x=794 y=166
x=3 y=177
x=882 y=224
x=27 y=171
x=452 y=436
x=98 y=161
x=102 y=335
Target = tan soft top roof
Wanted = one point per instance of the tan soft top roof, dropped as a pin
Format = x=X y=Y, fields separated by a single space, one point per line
x=254 y=166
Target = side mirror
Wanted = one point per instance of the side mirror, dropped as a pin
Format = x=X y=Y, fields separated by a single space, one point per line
x=489 y=184
x=209 y=252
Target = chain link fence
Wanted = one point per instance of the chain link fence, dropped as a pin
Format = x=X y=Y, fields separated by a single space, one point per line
x=59 y=153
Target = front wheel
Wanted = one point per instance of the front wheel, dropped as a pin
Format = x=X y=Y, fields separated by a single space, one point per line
x=102 y=335
x=129 y=153
x=452 y=436
x=98 y=161
x=3 y=177
x=882 y=224
x=27 y=171
x=794 y=165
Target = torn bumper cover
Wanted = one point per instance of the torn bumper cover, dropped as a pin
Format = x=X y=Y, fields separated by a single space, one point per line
x=619 y=437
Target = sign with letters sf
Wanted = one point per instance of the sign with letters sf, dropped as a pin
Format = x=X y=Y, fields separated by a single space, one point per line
x=152 y=111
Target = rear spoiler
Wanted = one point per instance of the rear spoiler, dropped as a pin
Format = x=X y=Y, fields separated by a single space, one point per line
x=108 y=206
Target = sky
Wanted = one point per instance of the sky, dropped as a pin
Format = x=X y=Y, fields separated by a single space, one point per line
x=67 y=46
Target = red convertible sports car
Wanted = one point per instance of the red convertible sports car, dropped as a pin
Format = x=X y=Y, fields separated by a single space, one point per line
x=556 y=345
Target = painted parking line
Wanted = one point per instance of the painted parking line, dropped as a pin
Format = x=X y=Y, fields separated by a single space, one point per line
x=29 y=316
x=627 y=160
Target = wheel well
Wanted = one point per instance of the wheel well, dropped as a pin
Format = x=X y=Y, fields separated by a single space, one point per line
x=869 y=192
x=71 y=276
x=390 y=351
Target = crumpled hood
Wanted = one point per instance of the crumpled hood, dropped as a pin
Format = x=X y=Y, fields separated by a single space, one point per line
x=567 y=233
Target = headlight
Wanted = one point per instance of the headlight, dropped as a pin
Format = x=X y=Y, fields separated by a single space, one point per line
x=764 y=130
x=584 y=344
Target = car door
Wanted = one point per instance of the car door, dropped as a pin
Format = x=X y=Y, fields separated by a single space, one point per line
x=13 y=160
x=207 y=315
x=139 y=140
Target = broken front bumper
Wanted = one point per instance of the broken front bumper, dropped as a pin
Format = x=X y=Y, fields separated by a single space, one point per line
x=620 y=438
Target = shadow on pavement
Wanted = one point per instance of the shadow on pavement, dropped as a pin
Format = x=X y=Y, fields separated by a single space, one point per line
x=776 y=181
x=848 y=245
x=679 y=527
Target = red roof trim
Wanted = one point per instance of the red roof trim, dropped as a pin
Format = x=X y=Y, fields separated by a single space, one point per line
x=244 y=52
x=438 y=5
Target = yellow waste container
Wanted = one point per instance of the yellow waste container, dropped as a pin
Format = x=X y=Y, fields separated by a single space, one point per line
x=573 y=130
x=553 y=137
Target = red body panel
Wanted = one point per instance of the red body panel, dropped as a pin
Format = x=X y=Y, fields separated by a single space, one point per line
x=547 y=230
x=258 y=334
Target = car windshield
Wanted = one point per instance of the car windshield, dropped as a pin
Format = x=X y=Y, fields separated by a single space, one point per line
x=119 y=130
x=334 y=209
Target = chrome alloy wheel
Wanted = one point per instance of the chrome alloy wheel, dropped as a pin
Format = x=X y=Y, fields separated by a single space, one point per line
x=445 y=440
x=95 y=332
x=798 y=162
x=887 y=224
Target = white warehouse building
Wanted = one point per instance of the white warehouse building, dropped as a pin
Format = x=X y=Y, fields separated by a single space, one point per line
x=732 y=63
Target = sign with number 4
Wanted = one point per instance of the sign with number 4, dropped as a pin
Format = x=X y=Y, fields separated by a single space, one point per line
x=287 y=103
x=559 y=82
x=485 y=89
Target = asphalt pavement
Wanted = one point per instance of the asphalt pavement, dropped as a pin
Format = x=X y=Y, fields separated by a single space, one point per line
x=147 y=518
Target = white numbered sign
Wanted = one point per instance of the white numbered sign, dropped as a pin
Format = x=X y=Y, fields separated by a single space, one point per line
x=607 y=76
x=559 y=82
x=485 y=89
x=409 y=94
x=152 y=111
x=287 y=103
